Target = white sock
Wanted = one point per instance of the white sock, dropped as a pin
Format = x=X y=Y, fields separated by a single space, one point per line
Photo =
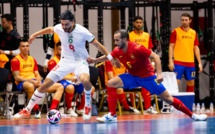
x=9 y=86
x=88 y=97
x=36 y=97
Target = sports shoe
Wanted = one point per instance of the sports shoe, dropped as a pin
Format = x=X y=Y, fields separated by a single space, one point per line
x=199 y=117
x=37 y=115
x=87 y=113
x=61 y=110
x=71 y=112
x=107 y=118
x=150 y=110
x=23 y=114
x=133 y=110
x=80 y=112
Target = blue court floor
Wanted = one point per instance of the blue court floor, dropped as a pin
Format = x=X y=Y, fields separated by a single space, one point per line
x=127 y=124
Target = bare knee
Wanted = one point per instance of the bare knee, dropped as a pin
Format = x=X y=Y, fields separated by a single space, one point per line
x=165 y=96
x=85 y=80
x=70 y=89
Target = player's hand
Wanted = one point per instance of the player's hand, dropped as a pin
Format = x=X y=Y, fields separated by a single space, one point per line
x=1 y=51
x=45 y=68
x=115 y=63
x=31 y=38
x=159 y=78
x=171 y=66
x=200 y=68
x=91 y=60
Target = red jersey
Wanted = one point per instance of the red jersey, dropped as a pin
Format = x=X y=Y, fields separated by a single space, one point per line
x=135 y=59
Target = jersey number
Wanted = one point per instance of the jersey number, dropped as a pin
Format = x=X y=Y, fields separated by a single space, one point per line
x=72 y=47
x=129 y=64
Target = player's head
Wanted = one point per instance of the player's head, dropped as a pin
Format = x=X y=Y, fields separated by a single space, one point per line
x=58 y=49
x=138 y=23
x=24 y=46
x=67 y=20
x=7 y=21
x=121 y=38
x=185 y=20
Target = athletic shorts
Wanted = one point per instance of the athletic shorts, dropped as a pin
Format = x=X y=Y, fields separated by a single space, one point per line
x=66 y=66
x=189 y=73
x=79 y=88
x=20 y=85
x=130 y=82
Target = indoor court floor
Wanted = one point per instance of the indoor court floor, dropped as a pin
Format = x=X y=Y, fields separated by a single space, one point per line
x=127 y=124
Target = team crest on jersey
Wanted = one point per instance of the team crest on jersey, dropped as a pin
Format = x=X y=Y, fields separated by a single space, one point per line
x=132 y=56
x=70 y=40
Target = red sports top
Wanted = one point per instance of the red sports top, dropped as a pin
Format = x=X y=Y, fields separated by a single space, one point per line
x=136 y=59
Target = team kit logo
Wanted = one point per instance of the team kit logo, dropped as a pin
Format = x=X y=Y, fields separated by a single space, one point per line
x=71 y=46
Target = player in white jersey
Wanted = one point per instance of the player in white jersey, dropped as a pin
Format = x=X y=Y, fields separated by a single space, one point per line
x=73 y=59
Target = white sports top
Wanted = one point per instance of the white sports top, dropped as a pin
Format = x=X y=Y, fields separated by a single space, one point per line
x=73 y=44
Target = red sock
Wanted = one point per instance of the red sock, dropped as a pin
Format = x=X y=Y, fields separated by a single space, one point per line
x=36 y=108
x=122 y=99
x=54 y=104
x=190 y=88
x=147 y=99
x=180 y=106
x=68 y=99
x=82 y=103
x=132 y=99
x=112 y=100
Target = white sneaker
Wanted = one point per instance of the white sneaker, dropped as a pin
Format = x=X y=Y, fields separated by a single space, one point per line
x=107 y=118
x=87 y=112
x=150 y=110
x=61 y=110
x=80 y=112
x=71 y=112
x=37 y=115
x=199 y=117
x=133 y=110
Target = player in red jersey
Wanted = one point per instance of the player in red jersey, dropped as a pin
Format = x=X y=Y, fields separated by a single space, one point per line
x=140 y=73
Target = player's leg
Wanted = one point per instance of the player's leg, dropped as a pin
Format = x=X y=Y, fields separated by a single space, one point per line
x=190 y=75
x=112 y=101
x=179 y=70
x=28 y=88
x=180 y=106
x=58 y=90
x=147 y=102
x=122 y=99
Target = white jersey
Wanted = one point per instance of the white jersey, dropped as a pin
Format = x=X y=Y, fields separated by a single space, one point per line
x=74 y=43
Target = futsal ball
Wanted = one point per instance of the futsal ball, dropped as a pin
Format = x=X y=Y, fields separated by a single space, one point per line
x=53 y=116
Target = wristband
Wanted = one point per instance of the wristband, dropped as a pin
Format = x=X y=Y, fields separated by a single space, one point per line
x=109 y=56
x=153 y=63
x=7 y=52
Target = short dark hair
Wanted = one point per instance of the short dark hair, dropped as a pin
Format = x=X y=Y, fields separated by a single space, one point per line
x=58 y=44
x=137 y=18
x=67 y=15
x=123 y=33
x=186 y=15
x=8 y=17
x=23 y=39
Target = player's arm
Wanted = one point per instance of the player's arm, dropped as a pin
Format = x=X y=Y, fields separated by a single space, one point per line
x=100 y=47
x=157 y=66
x=197 y=54
x=171 y=50
x=47 y=30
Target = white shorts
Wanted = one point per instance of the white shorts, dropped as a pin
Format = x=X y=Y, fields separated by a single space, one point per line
x=65 y=66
